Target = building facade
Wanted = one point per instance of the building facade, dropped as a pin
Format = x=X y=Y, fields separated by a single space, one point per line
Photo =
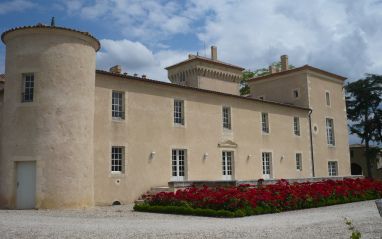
x=73 y=136
x=359 y=164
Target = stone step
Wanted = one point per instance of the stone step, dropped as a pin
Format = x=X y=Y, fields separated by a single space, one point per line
x=139 y=201
x=154 y=190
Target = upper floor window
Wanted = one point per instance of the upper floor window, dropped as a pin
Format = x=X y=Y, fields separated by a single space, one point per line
x=182 y=77
x=226 y=118
x=351 y=153
x=27 y=95
x=327 y=95
x=296 y=123
x=295 y=94
x=264 y=122
x=178 y=112
x=117 y=159
x=332 y=168
x=117 y=110
x=298 y=162
x=330 y=131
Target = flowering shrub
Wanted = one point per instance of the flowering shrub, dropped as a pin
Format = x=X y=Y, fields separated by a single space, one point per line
x=247 y=200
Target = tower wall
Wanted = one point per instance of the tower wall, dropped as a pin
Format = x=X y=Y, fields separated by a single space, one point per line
x=56 y=129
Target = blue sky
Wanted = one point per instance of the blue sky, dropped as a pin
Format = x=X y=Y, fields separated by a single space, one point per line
x=339 y=36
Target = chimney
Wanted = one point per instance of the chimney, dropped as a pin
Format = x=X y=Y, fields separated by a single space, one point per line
x=135 y=74
x=272 y=69
x=116 y=69
x=214 y=53
x=144 y=76
x=284 y=63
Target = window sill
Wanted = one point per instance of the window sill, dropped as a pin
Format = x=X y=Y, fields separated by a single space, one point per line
x=118 y=174
x=331 y=145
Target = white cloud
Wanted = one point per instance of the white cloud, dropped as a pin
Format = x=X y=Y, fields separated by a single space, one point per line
x=15 y=6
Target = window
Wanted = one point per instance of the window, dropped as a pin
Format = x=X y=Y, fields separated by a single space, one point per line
x=264 y=122
x=298 y=162
x=266 y=165
x=117 y=159
x=182 y=77
x=226 y=118
x=261 y=98
x=178 y=112
x=117 y=106
x=332 y=167
x=296 y=124
x=295 y=94
x=178 y=164
x=27 y=95
x=227 y=165
x=352 y=153
x=330 y=131
x=327 y=99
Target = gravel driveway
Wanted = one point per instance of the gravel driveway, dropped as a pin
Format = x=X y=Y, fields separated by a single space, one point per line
x=123 y=222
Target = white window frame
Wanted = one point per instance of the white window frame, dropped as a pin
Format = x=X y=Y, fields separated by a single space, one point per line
x=330 y=132
x=28 y=88
x=299 y=161
x=226 y=116
x=178 y=164
x=327 y=98
x=333 y=168
x=265 y=123
x=227 y=165
x=296 y=126
x=117 y=159
x=117 y=105
x=178 y=112
x=267 y=164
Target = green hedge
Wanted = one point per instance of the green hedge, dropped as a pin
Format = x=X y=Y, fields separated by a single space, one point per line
x=241 y=212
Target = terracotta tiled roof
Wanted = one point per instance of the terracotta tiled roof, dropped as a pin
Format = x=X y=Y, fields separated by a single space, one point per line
x=305 y=67
x=205 y=59
x=197 y=89
x=40 y=25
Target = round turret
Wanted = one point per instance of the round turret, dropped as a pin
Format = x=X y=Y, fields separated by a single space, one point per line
x=47 y=118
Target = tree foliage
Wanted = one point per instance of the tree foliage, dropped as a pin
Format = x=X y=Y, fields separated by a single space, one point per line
x=247 y=74
x=364 y=109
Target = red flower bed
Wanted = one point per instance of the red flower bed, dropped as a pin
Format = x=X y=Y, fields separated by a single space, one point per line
x=271 y=198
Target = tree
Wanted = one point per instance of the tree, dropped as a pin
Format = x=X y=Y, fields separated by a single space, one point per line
x=247 y=74
x=363 y=104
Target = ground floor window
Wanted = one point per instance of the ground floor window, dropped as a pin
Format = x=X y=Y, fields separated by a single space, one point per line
x=178 y=164
x=266 y=165
x=117 y=159
x=298 y=162
x=332 y=167
x=227 y=165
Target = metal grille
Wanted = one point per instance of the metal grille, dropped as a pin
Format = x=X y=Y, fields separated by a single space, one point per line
x=266 y=163
x=226 y=118
x=329 y=131
x=178 y=112
x=117 y=106
x=298 y=162
x=27 y=95
x=264 y=122
x=332 y=166
x=116 y=159
x=297 y=126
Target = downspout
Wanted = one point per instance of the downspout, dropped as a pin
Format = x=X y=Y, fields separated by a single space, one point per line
x=311 y=139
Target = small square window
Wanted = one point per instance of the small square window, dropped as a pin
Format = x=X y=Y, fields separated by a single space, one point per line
x=117 y=159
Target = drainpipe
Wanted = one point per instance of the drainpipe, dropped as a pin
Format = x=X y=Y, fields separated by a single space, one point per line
x=311 y=139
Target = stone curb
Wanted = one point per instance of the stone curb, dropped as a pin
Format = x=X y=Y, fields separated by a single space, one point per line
x=378 y=202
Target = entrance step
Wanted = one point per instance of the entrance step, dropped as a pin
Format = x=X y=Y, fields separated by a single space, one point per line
x=153 y=190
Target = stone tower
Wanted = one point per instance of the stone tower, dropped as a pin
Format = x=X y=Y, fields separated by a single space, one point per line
x=47 y=133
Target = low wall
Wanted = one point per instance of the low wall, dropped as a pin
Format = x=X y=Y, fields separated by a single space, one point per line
x=176 y=185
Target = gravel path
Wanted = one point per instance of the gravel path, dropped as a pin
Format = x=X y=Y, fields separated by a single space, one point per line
x=123 y=222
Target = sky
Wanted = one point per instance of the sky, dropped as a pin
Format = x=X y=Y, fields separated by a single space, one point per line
x=144 y=37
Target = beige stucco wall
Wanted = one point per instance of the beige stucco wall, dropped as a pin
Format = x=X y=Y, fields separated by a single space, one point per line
x=318 y=86
x=56 y=129
x=360 y=159
x=149 y=127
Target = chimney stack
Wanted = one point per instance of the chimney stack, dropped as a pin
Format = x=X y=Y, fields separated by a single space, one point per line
x=214 y=53
x=116 y=69
x=144 y=76
x=284 y=63
x=272 y=69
